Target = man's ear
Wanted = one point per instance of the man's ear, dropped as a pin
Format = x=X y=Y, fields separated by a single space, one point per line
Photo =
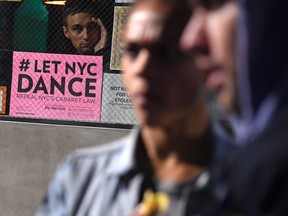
x=65 y=31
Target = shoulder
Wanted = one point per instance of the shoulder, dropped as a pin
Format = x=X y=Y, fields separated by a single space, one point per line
x=97 y=158
x=83 y=169
x=84 y=166
x=258 y=174
x=75 y=175
x=103 y=157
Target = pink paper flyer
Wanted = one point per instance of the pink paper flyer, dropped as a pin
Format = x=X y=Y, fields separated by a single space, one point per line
x=56 y=86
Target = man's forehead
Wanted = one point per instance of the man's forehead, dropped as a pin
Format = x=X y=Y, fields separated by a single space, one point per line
x=146 y=17
x=144 y=25
x=79 y=18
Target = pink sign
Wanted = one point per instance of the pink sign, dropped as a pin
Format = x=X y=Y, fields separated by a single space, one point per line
x=56 y=86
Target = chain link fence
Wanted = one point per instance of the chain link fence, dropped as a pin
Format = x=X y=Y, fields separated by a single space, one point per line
x=60 y=62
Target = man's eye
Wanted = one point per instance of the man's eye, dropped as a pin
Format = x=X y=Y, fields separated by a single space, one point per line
x=78 y=29
x=132 y=51
x=93 y=27
x=165 y=52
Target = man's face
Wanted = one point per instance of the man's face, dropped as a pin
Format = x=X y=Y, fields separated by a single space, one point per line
x=210 y=34
x=156 y=73
x=83 y=32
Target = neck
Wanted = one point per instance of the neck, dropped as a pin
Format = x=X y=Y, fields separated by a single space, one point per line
x=180 y=152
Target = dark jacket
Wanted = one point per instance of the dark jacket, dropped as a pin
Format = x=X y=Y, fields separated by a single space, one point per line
x=257 y=175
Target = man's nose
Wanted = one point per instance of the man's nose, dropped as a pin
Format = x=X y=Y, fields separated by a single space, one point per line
x=85 y=33
x=145 y=65
x=194 y=35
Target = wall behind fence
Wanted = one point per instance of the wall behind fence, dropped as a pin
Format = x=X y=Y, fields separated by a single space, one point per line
x=30 y=154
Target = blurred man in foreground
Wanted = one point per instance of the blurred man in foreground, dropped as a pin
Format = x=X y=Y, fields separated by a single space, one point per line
x=167 y=156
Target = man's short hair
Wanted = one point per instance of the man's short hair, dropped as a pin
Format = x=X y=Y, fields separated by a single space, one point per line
x=73 y=7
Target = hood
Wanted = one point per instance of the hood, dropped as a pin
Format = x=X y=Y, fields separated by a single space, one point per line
x=262 y=77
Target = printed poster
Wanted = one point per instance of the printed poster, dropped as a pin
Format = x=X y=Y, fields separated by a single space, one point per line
x=120 y=18
x=116 y=104
x=56 y=86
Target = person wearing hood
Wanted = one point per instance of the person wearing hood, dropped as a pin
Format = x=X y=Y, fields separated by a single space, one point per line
x=254 y=97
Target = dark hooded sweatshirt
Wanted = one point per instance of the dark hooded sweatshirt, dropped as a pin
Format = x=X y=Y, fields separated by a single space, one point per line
x=257 y=175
